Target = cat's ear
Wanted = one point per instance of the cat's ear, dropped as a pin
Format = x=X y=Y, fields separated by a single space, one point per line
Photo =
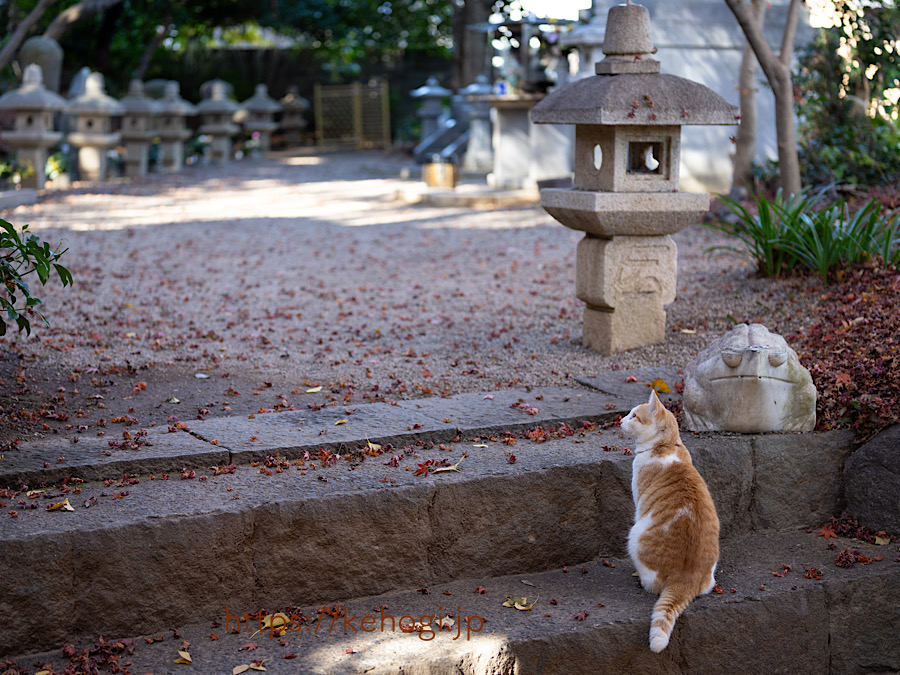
x=654 y=403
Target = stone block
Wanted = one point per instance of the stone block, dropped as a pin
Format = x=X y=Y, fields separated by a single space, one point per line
x=872 y=482
x=797 y=482
x=611 y=272
x=641 y=322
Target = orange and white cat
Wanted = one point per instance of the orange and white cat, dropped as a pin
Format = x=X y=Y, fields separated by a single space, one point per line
x=674 y=542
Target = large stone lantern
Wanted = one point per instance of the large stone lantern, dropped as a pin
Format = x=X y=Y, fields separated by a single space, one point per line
x=138 y=128
x=260 y=109
x=432 y=95
x=33 y=134
x=216 y=113
x=293 y=107
x=628 y=120
x=172 y=112
x=93 y=134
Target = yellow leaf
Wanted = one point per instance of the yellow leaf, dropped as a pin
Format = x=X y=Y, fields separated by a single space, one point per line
x=341 y=422
x=373 y=447
x=183 y=657
x=55 y=507
x=522 y=607
x=257 y=665
x=174 y=400
x=660 y=386
x=882 y=541
x=275 y=623
x=455 y=468
x=510 y=601
x=526 y=582
x=237 y=670
x=688 y=331
x=446 y=622
x=480 y=445
x=314 y=390
x=42 y=672
x=66 y=506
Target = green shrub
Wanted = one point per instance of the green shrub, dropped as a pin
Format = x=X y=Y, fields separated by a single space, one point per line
x=21 y=254
x=787 y=233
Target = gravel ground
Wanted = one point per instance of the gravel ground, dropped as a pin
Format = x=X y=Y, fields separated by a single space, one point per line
x=302 y=270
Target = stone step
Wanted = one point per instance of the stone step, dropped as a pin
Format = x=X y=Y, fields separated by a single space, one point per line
x=784 y=608
x=140 y=553
x=201 y=443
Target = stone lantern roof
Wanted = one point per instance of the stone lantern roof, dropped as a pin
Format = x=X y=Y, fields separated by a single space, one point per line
x=172 y=104
x=136 y=102
x=32 y=95
x=431 y=88
x=94 y=100
x=261 y=102
x=629 y=89
x=217 y=103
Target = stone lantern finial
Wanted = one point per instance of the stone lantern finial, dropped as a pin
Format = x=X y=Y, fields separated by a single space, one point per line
x=627 y=43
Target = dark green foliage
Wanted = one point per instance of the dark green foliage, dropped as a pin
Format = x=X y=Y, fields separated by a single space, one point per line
x=797 y=232
x=21 y=254
x=845 y=131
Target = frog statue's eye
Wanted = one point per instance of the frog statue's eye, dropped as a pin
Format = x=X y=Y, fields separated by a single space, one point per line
x=732 y=358
x=777 y=357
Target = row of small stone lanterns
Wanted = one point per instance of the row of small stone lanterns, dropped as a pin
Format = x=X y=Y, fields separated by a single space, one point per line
x=143 y=120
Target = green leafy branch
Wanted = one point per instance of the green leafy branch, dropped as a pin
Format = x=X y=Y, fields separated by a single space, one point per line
x=21 y=254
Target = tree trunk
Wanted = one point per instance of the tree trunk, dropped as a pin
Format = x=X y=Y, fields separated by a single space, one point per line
x=18 y=37
x=778 y=72
x=470 y=50
x=77 y=12
x=104 y=37
x=745 y=142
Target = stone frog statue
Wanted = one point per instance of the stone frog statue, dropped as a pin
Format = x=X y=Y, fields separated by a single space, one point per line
x=748 y=381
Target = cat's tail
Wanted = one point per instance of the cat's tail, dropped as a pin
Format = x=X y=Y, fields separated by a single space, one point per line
x=672 y=602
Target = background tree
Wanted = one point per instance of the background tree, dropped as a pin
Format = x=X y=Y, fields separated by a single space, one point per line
x=745 y=140
x=777 y=69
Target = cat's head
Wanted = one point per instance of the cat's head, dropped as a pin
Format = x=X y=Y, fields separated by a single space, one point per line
x=650 y=424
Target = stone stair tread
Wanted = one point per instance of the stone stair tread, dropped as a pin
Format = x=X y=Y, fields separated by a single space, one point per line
x=241 y=439
x=767 y=624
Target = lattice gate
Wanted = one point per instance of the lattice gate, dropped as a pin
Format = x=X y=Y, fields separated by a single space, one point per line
x=353 y=114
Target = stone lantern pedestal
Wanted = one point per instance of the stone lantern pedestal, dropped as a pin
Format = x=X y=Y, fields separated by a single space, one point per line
x=293 y=107
x=479 y=155
x=33 y=134
x=172 y=111
x=260 y=116
x=216 y=112
x=625 y=197
x=137 y=129
x=93 y=134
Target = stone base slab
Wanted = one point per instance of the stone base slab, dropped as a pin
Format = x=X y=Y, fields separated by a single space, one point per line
x=639 y=321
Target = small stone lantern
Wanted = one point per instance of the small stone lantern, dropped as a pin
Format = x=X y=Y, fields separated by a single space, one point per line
x=33 y=134
x=93 y=134
x=216 y=114
x=293 y=107
x=261 y=109
x=479 y=155
x=625 y=198
x=432 y=95
x=137 y=128
x=172 y=111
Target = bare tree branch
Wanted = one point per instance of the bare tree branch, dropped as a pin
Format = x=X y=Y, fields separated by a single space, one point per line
x=18 y=37
x=161 y=32
x=81 y=10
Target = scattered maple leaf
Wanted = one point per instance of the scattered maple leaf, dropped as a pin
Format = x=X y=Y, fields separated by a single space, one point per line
x=581 y=616
x=659 y=385
x=630 y=378
x=480 y=590
x=827 y=531
x=248 y=647
x=455 y=468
